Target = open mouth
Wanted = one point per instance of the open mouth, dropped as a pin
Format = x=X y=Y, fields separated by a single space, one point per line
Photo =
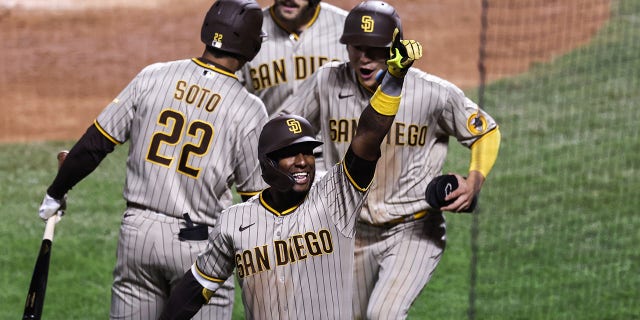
x=366 y=73
x=301 y=177
x=289 y=5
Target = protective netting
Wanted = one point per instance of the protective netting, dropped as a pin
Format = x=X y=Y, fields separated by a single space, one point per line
x=558 y=225
x=557 y=235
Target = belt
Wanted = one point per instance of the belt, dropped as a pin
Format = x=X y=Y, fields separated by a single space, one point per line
x=137 y=206
x=394 y=222
x=192 y=232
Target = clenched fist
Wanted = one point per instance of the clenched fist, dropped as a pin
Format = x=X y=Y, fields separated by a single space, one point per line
x=403 y=53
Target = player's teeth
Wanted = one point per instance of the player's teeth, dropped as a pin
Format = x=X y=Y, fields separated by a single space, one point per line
x=300 y=175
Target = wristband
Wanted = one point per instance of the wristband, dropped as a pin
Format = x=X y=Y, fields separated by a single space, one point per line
x=385 y=104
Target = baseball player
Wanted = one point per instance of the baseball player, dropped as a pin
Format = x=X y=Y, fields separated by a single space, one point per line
x=292 y=246
x=193 y=131
x=400 y=238
x=303 y=35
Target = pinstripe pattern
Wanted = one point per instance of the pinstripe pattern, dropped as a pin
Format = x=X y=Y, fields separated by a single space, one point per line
x=308 y=250
x=230 y=156
x=298 y=55
x=150 y=259
x=193 y=132
x=394 y=264
x=414 y=151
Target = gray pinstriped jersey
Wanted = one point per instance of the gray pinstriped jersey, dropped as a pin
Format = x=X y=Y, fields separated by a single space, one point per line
x=295 y=264
x=193 y=132
x=415 y=149
x=285 y=59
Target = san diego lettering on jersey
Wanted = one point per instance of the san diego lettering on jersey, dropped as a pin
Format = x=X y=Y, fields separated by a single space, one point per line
x=295 y=248
x=400 y=134
x=275 y=73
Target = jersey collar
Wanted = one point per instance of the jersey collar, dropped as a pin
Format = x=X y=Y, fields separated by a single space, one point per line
x=212 y=67
x=274 y=211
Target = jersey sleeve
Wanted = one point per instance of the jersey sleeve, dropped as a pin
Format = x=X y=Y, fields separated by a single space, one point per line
x=116 y=120
x=463 y=118
x=247 y=173
x=343 y=190
x=216 y=263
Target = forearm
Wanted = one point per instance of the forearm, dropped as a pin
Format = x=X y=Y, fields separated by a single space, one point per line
x=377 y=118
x=484 y=153
x=475 y=180
x=83 y=158
x=360 y=170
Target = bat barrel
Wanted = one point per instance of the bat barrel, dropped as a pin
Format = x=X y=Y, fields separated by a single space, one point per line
x=35 y=297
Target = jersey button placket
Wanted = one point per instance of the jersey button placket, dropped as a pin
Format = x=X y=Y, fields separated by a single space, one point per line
x=278 y=229
x=277 y=235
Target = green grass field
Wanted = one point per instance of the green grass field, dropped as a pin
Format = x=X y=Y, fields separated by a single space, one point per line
x=559 y=241
x=558 y=221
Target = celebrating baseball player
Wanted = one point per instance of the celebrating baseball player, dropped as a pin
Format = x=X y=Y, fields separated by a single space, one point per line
x=292 y=246
x=400 y=238
x=193 y=130
x=303 y=35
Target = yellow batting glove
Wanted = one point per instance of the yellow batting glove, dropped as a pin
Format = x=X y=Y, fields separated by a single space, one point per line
x=403 y=54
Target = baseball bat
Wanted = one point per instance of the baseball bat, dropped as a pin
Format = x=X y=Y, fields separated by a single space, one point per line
x=35 y=297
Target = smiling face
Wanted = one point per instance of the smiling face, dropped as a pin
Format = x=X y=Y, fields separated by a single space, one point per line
x=299 y=162
x=367 y=62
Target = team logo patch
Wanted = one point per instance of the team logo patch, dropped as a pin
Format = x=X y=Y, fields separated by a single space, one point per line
x=367 y=24
x=294 y=126
x=476 y=124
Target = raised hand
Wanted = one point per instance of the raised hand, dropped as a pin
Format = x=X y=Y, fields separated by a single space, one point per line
x=403 y=53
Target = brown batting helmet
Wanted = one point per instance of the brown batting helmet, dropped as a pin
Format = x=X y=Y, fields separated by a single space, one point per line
x=235 y=27
x=371 y=23
x=279 y=133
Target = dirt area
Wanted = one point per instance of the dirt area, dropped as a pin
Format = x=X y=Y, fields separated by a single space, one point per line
x=60 y=66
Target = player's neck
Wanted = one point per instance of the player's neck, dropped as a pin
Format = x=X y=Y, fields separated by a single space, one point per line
x=225 y=63
x=283 y=200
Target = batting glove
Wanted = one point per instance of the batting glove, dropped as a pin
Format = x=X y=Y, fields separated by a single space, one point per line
x=403 y=53
x=51 y=207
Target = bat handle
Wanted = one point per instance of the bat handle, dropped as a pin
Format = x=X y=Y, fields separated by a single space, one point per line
x=51 y=222
x=49 y=227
